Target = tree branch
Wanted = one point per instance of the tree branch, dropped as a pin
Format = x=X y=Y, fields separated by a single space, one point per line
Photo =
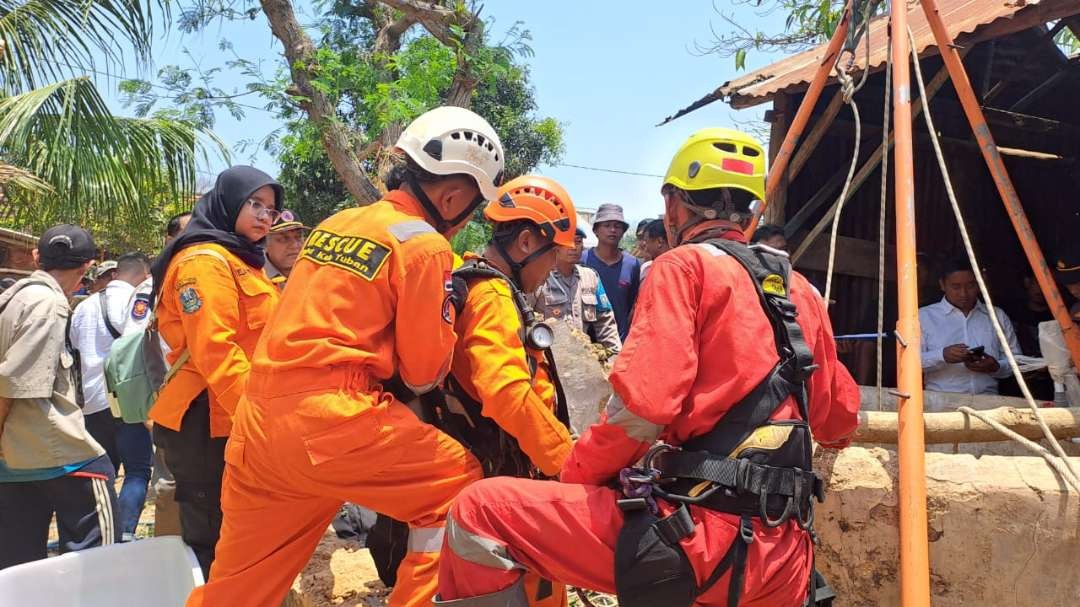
x=388 y=40
x=435 y=18
x=300 y=53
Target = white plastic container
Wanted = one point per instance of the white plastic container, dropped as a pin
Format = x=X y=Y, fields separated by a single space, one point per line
x=158 y=571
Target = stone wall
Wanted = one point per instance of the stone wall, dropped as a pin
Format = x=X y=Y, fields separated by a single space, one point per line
x=1003 y=530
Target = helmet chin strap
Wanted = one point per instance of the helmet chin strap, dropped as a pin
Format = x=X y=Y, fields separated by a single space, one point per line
x=442 y=225
x=517 y=266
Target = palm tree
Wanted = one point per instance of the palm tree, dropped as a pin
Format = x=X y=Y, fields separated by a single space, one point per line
x=63 y=155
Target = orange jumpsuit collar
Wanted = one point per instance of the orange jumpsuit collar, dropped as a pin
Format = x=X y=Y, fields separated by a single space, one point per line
x=406 y=203
x=716 y=228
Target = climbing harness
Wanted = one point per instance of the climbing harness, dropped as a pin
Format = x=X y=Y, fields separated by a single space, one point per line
x=458 y=414
x=749 y=465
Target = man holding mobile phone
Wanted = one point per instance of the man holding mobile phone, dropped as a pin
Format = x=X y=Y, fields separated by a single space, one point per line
x=960 y=350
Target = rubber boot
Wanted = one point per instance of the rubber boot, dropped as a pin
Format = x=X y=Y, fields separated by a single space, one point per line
x=512 y=596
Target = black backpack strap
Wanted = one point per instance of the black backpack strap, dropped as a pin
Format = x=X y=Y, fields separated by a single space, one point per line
x=477 y=269
x=104 y=305
x=770 y=275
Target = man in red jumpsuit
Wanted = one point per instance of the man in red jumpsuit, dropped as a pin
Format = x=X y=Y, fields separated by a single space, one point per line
x=698 y=347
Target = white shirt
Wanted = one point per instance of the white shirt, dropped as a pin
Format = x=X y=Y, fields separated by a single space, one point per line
x=93 y=340
x=944 y=325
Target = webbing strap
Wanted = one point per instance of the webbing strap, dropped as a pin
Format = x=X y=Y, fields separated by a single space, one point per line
x=103 y=304
x=735 y=560
x=788 y=377
x=738 y=473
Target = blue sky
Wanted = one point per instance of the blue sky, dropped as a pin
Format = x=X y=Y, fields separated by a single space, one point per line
x=609 y=71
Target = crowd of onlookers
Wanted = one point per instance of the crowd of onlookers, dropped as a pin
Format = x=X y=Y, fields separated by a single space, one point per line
x=63 y=455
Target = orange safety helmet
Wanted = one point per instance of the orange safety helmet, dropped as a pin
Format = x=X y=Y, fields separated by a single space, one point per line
x=537 y=199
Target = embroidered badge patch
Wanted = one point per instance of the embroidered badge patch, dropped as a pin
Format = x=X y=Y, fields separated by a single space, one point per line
x=141 y=307
x=448 y=309
x=190 y=300
x=353 y=253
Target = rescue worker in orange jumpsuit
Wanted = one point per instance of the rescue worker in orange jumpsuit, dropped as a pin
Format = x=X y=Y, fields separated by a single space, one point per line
x=368 y=301
x=718 y=513
x=213 y=300
x=502 y=385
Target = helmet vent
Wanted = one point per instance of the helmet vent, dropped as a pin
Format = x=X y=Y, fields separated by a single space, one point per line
x=455 y=136
x=434 y=149
x=726 y=146
x=468 y=135
x=751 y=152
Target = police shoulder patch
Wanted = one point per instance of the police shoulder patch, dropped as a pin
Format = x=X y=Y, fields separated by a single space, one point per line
x=190 y=301
x=141 y=307
x=361 y=256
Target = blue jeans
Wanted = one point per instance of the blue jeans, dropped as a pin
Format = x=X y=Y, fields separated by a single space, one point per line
x=127 y=445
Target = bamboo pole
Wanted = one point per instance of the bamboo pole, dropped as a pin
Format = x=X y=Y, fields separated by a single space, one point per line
x=914 y=544
x=1001 y=178
x=958 y=427
x=802 y=116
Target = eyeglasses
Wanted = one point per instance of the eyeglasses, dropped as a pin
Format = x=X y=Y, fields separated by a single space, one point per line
x=262 y=212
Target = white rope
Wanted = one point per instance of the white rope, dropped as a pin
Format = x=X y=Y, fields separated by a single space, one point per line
x=1072 y=476
x=887 y=112
x=1036 y=448
x=848 y=88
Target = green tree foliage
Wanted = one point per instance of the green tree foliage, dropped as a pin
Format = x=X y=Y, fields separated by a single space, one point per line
x=375 y=87
x=426 y=68
x=76 y=161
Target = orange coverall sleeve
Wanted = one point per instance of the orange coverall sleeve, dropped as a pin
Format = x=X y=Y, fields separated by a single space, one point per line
x=500 y=375
x=652 y=377
x=210 y=329
x=833 y=394
x=423 y=336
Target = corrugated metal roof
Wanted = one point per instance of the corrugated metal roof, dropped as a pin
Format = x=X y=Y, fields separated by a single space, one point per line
x=969 y=20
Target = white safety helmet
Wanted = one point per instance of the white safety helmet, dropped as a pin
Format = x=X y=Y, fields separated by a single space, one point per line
x=451 y=140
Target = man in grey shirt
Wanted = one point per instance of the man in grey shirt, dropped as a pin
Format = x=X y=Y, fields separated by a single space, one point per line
x=48 y=461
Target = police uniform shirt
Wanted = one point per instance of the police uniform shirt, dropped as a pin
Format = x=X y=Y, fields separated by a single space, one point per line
x=45 y=427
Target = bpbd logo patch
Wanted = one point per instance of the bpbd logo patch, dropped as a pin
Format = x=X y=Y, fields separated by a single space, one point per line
x=356 y=254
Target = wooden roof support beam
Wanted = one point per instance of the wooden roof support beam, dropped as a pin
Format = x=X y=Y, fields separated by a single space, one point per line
x=1022 y=65
x=1040 y=91
x=821 y=127
x=870 y=165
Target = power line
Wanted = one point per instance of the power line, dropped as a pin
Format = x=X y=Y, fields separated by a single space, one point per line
x=601 y=170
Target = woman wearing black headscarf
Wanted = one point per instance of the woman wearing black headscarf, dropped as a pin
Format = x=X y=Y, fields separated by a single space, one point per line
x=214 y=299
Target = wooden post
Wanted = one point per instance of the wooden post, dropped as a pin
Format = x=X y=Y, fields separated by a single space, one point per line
x=781 y=118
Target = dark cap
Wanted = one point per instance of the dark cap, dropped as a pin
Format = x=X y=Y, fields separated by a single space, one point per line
x=287 y=222
x=1067 y=264
x=65 y=247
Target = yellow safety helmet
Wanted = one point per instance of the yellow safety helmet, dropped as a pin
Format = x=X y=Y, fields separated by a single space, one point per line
x=719 y=158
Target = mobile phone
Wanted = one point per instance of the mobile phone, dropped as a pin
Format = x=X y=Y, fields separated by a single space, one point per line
x=977 y=352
